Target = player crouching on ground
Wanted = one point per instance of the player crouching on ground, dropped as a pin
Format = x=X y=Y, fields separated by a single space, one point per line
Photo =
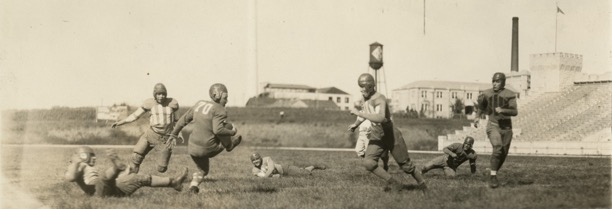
x=116 y=181
x=454 y=155
x=265 y=167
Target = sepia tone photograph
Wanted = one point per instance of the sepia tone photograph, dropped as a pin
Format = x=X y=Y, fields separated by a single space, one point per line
x=305 y=104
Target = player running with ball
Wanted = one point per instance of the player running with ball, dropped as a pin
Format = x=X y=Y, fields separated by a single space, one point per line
x=388 y=138
x=211 y=133
x=499 y=104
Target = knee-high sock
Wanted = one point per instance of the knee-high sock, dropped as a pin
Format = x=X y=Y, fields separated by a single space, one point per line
x=158 y=181
x=197 y=179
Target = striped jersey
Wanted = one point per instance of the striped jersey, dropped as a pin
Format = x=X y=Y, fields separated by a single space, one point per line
x=162 y=115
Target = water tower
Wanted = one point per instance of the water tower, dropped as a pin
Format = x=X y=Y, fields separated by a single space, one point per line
x=376 y=64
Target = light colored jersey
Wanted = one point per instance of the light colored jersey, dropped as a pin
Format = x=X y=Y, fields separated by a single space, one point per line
x=373 y=106
x=266 y=165
x=162 y=115
x=90 y=175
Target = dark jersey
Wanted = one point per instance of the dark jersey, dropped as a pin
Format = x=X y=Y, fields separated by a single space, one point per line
x=489 y=100
x=208 y=122
x=462 y=155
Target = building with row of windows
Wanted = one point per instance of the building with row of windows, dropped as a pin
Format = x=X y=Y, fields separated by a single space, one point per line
x=306 y=96
x=436 y=99
x=549 y=72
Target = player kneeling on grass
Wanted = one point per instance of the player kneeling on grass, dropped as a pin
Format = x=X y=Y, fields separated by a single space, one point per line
x=265 y=167
x=210 y=134
x=116 y=181
x=454 y=155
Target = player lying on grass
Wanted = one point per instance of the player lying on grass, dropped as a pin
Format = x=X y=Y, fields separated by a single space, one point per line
x=454 y=155
x=116 y=181
x=265 y=167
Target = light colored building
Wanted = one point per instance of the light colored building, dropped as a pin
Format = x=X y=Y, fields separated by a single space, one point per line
x=436 y=98
x=519 y=81
x=552 y=72
x=302 y=92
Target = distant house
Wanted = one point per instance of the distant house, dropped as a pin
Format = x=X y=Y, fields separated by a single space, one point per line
x=301 y=96
x=112 y=113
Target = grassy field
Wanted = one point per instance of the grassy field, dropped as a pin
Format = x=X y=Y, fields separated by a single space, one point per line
x=557 y=183
x=262 y=126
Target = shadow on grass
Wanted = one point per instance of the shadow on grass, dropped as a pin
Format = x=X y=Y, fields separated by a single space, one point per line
x=254 y=189
x=262 y=189
x=411 y=187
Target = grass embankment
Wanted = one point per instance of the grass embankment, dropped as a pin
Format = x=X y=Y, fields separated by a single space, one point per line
x=259 y=126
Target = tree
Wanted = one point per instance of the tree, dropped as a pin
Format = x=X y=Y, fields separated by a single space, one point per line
x=458 y=107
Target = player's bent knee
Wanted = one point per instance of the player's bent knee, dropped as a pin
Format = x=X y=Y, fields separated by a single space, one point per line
x=137 y=158
x=370 y=165
x=408 y=167
x=497 y=150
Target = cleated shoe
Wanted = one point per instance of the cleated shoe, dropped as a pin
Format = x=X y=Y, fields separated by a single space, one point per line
x=194 y=189
x=162 y=169
x=493 y=183
x=177 y=182
x=235 y=142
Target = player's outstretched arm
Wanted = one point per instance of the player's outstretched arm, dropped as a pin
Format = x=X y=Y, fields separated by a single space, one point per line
x=270 y=165
x=473 y=166
x=377 y=117
x=447 y=150
x=511 y=109
x=182 y=122
x=75 y=169
x=218 y=122
x=134 y=116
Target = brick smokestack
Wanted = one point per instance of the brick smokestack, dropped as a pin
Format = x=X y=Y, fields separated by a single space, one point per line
x=514 y=58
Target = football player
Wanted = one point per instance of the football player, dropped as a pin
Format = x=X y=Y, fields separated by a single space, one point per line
x=116 y=181
x=162 y=120
x=388 y=138
x=454 y=155
x=365 y=127
x=499 y=104
x=265 y=167
x=210 y=133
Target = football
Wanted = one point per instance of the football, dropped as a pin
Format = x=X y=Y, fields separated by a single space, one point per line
x=228 y=125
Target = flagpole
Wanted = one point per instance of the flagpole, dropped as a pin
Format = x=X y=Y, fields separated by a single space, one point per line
x=556 y=17
x=424 y=17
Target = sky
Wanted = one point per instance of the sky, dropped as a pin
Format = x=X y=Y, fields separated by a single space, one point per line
x=78 y=53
